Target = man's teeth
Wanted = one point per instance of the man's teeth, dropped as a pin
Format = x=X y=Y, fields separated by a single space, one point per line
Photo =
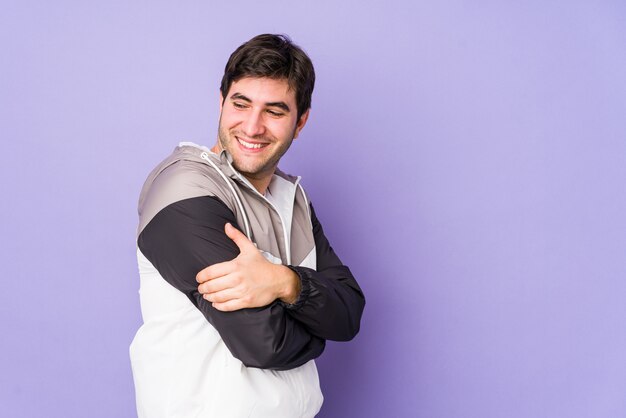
x=250 y=145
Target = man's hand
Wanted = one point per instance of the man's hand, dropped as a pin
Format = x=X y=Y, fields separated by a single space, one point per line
x=249 y=280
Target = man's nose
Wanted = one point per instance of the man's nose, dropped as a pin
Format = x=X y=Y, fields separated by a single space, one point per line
x=253 y=124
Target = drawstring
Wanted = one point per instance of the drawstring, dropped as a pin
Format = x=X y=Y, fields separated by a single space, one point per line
x=205 y=156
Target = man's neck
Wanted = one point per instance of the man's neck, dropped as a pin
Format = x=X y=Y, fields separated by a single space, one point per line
x=260 y=183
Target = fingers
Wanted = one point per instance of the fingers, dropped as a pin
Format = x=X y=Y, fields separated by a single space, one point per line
x=223 y=295
x=231 y=305
x=227 y=267
x=214 y=271
x=218 y=284
x=239 y=238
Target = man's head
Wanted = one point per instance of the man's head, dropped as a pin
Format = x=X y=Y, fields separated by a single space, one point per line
x=275 y=57
x=265 y=100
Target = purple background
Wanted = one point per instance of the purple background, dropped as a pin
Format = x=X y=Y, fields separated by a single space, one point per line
x=468 y=160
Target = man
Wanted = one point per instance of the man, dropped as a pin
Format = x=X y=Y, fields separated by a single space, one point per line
x=239 y=286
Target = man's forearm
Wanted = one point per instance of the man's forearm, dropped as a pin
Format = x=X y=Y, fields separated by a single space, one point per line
x=331 y=302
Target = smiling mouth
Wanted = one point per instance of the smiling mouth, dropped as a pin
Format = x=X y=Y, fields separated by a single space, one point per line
x=251 y=145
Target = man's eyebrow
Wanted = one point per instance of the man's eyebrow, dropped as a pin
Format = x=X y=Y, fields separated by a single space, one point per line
x=280 y=105
x=239 y=96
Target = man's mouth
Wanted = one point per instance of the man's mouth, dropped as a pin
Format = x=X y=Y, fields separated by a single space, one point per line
x=251 y=145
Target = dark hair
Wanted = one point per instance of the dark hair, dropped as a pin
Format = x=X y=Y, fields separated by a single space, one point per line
x=272 y=56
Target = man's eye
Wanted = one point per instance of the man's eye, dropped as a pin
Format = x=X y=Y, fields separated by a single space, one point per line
x=239 y=105
x=275 y=113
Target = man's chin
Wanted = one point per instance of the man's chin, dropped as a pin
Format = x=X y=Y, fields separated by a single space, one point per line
x=254 y=172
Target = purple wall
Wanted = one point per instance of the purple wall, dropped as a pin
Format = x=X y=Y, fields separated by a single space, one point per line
x=468 y=160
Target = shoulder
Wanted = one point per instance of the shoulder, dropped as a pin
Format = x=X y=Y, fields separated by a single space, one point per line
x=179 y=179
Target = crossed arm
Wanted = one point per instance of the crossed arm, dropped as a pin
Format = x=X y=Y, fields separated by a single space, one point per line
x=247 y=281
x=186 y=237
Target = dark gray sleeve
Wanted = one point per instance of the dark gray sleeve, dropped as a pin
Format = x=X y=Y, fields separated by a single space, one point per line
x=187 y=236
x=331 y=302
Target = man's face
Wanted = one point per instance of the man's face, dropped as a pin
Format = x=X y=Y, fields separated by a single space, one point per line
x=258 y=122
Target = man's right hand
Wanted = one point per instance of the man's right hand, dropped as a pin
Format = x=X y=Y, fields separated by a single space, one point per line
x=249 y=280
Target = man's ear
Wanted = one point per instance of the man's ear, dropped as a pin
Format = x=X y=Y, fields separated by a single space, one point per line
x=301 y=122
x=221 y=101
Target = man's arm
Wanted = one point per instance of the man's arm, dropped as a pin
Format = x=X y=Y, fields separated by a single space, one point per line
x=187 y=236
x=248 y=281
x=331 y=302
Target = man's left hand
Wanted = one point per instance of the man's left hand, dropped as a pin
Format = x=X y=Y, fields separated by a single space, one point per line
x=248 y=281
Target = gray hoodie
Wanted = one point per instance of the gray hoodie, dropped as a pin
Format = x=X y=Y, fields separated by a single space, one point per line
x=190 y=359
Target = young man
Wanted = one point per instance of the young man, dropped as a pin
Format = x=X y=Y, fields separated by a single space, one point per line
x=239 y=286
